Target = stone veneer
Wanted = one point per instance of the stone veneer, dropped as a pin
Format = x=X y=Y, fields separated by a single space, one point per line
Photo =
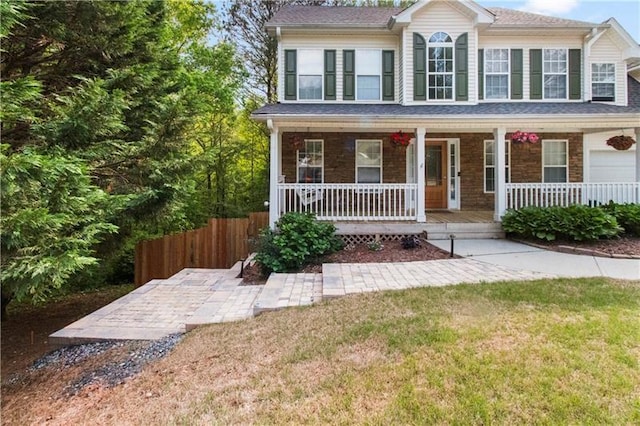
x=339 y=161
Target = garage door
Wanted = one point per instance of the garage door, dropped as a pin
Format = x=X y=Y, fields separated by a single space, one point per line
x=612 y=166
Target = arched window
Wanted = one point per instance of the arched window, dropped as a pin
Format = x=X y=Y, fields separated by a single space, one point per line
x=440 y=66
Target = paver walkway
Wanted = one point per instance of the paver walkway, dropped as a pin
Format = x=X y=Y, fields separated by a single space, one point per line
x=196 y=297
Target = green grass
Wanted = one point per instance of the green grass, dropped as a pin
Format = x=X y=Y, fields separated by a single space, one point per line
x=544 y=352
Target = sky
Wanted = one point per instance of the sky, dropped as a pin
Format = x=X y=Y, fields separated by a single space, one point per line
x=626 y=12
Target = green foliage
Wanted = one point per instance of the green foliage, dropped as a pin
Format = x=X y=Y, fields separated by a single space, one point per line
x=298 y=240
x=578 y=223
x=628 y=216
x=52 y=217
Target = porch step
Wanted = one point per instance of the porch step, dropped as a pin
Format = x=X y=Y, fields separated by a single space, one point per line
x=444 y=231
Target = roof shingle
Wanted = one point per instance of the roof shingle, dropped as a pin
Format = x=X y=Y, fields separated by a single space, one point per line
x=510 y=17
x=333 y=15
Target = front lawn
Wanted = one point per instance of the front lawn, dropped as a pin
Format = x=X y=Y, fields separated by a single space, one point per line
x=552 y=352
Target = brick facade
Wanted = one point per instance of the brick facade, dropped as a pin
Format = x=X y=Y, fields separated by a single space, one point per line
x=526 y=160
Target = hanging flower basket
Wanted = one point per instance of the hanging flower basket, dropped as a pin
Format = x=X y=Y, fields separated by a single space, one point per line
x=524 y=137
x=400 y=139
x=621 y=143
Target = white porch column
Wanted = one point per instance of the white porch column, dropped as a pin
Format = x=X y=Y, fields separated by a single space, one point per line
x=637 y=129
x=420 y=152
x=274 y=171
x=500 y=184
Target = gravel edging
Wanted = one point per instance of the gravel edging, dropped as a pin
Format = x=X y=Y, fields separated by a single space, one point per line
x=577 y=250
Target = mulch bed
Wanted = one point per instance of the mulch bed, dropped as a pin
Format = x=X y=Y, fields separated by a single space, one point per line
x=391 y=251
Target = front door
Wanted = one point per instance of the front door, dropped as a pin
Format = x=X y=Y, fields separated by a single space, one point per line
x=436 y=175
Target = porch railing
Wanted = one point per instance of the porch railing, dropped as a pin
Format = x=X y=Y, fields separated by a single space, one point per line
x=344 y=201
x=564 y=194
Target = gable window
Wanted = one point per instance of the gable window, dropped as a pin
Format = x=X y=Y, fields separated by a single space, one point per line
x=496 y=73
x=490 y=166
x=554 y=161
x=310 y=72
x=311 y=162
x=554 y=66
x=440 y=66
x=368 y=70
x=368 y=161
x=603 y=82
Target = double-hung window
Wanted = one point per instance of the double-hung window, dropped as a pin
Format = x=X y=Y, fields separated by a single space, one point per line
x=310 y=72
x=554 y=68
x=603 y=82
x=490 y=165
x=368 y=71
x=311 y=162
x=496 y=73
x=554 y=161
x=440 y=66
x=369 y=161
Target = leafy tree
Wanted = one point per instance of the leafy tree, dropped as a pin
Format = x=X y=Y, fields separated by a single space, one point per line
x=52 y=217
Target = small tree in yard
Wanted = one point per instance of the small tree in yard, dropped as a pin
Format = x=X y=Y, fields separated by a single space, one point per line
x=52 y=217
x=298 y=239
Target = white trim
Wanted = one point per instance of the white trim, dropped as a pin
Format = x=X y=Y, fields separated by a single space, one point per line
x=566 y=142
x=482 y=15
x=455 y=142
x=381 y=159
x=420 y=159
x=500 y=194
x=274 y=151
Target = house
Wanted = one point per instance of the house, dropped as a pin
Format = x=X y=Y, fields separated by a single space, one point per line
x=454 y=81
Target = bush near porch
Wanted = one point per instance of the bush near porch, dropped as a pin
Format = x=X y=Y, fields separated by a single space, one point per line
x=298 y=239
x=573 y=223
x=578 y=223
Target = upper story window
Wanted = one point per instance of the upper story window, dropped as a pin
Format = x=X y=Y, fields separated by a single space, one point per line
x=440 y=66
x=310 y=72
x=603 y=82
x=368 y=70
x=554 y=66
x=496 y=73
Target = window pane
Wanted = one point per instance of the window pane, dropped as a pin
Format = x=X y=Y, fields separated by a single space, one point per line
x=310 y=162
x=603 y=77
x=368 y=87
x=440 y=37
x=368 y=62
x=369 y=153
x=555 y=87
x=310 y=61
x=497 y=87
x=555 y=153
x=490 y=179
x=555 y=174
x=310 y=87
x=310 y=175
x=368 y=175
x=489 y=153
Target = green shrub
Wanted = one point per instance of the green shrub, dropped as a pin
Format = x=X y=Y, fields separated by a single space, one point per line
x=628 y=216
x=577 y=223
x=298 y=239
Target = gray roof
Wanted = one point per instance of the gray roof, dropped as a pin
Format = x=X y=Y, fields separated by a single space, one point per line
x=510 y=17
x=297 y=15
x=486 y=109
x=333 y=15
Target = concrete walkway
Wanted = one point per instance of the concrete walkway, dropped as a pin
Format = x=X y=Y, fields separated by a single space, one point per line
x=195 y=297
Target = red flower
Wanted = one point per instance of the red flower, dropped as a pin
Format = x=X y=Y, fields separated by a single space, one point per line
x=400 y=139
x=524 y=137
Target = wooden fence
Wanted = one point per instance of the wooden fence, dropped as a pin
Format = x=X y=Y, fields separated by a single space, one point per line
x=216 y=246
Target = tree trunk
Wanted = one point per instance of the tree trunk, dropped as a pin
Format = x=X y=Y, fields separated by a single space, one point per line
x=6 y=299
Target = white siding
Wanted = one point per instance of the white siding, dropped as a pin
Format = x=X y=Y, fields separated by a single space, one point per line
x=606 y=50
x=530 y=42
x=339 y=43
x=440 y=16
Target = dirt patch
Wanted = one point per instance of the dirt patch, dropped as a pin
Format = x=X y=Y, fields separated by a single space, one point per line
x=25 y=334
x=388 y=251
